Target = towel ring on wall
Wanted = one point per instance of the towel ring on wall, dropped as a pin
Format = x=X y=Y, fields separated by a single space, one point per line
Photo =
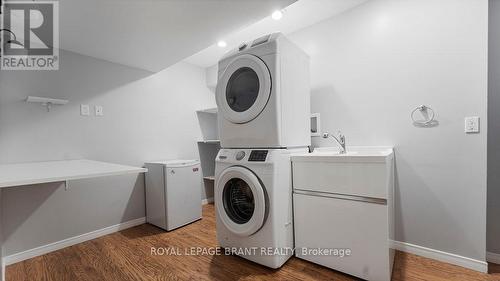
x=428 y=121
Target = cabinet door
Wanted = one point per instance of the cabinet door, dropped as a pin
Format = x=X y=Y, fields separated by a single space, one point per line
x=330 y=223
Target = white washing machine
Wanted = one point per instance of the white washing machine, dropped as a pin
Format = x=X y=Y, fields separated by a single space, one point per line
x=263 y=95
x=253 y=202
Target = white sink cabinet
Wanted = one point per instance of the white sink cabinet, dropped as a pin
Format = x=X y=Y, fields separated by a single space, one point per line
x=345 y=202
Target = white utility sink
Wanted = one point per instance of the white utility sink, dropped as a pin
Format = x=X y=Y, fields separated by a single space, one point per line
x=353 y=154
x=362 y=171
x=346 y=200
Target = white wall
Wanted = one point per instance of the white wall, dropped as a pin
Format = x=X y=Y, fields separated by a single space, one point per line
x=371 y=66
x=493 y=244
x=146 y=117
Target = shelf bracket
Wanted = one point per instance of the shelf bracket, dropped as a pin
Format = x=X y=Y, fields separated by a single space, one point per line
x=47 y=102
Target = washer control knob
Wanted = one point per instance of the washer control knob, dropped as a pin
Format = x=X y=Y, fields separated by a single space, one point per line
x=240 y=155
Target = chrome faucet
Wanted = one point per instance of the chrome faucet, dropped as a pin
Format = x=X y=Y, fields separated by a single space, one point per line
x=340 y=140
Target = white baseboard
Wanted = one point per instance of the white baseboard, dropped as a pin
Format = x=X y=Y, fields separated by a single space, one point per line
x=42 y=250
x=493 y=257
x=207 y=201
x=469 y=263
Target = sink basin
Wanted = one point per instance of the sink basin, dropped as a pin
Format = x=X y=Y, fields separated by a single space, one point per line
x=334 y=153
x=362 y=171
x=353 y=154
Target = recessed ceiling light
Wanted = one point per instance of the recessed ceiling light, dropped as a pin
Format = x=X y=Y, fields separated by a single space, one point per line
x=222 y=44
x=277 y=15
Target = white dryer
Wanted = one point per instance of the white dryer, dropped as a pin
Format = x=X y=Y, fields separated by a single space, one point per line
x=253 y=202
x=263 y=95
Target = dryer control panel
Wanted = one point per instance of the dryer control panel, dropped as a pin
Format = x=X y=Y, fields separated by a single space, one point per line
x=258 y=156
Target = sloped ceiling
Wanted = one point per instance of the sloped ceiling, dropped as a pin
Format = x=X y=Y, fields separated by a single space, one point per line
x=154 y=34
x=298 y=15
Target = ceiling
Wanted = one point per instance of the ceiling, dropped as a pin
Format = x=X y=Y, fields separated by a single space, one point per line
x=296 y=16
x=154 y=34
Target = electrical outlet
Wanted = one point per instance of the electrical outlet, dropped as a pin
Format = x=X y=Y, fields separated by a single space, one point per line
x=472 y=124
x=84 y=110
x=99 y=110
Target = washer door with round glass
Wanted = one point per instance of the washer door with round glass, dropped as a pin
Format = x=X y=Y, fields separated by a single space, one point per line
x=240 y=201
x=243 y=90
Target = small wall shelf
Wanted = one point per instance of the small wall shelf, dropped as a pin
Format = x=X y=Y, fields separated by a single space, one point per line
x=48 y=102
x=209 y=141
x=209 y=110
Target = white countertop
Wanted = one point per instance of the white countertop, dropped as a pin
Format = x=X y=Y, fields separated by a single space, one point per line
x=353 y=154
x=55 y=171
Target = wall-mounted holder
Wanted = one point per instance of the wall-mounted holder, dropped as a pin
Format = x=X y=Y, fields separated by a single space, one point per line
x=315 y=125
x=428 y=114
x=48 y=102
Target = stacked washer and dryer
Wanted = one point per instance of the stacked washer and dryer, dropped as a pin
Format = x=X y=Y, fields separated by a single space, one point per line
x=263 y=98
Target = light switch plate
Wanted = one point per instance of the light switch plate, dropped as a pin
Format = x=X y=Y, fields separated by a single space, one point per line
x=84 y=110
x=472 y=124
x=99 y=110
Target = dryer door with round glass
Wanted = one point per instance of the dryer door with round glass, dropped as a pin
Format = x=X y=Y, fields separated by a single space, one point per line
x=241 y=202
x=243 y=89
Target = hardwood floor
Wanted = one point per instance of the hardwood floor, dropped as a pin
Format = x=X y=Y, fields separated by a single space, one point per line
x=126 y=255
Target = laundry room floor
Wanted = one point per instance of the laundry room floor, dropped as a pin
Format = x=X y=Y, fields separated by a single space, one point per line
x=126 y=255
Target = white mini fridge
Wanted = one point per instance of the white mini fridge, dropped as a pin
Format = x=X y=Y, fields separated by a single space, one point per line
x=173 y=193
